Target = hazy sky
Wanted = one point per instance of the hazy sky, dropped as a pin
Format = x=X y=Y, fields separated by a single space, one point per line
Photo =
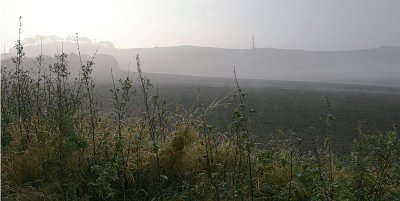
x=290 y=24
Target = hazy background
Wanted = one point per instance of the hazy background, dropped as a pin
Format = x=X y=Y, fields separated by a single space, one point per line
x=287 y=24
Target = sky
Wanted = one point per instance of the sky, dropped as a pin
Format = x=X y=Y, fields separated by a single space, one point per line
x=286 y=24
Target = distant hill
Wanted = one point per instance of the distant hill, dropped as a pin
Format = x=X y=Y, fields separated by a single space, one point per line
x=377 y=66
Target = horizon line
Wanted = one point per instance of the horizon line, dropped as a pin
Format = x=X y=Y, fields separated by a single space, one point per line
x=195 y=46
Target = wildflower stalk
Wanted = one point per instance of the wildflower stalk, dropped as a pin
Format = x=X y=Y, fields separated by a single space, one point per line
x=145 y=83
x=329 y=120
x=246 y=130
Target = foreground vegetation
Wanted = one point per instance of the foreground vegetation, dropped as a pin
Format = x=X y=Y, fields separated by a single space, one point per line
x=57 y=144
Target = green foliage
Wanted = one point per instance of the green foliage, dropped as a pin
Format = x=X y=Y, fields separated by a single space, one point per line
x=375 y=167
x=101 y=188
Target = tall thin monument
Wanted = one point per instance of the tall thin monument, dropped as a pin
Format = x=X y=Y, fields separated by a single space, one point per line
x=253 y=46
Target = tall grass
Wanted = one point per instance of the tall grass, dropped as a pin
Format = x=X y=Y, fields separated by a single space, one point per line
x=58 y=145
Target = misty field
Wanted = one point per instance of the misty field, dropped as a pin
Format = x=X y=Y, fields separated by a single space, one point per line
x=65 y=138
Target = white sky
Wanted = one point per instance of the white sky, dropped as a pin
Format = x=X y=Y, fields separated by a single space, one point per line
x=289 y=24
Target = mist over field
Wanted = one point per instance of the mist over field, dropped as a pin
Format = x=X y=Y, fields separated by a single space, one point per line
x=200 y=100
x=375 y=66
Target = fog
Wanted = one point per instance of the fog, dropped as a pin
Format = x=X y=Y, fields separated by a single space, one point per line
x=376 y=66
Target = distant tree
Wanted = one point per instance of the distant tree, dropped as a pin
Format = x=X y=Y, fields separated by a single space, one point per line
x=29 y=41
x=55 y=39
x=69 y=38
x=85 y=40
x=107 y=44
x=52 y=38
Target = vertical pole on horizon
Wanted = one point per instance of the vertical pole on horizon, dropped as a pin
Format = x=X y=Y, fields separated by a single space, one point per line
x=253 y=46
